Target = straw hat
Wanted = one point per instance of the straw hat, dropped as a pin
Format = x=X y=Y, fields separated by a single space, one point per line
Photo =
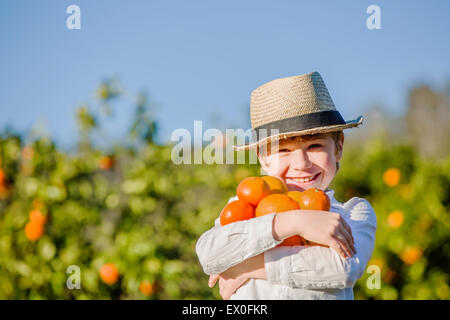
x=293 y=106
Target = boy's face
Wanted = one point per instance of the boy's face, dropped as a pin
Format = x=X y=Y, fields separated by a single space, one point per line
x=304 y=164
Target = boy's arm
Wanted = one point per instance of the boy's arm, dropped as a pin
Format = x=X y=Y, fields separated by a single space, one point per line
x=222 y=247
x=315 y=267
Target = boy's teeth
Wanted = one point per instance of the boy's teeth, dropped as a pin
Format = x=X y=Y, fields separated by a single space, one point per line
x=303 y=179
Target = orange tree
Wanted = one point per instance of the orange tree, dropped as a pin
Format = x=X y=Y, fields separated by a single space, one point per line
x=411 y=198
x=131 y=209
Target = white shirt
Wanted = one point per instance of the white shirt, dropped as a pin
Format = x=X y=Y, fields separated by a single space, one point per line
x=296 y=272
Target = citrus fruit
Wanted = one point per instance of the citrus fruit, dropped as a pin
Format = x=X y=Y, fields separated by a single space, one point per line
x=311 y=199
x=296 y=195
x=275 y=203
x=109 y=273
x=37 y=217
x=411 y=255
x=236 y=210
x=391 y=177
x=105 y=162
x=292 y=241
x=395 y=219
x=279 y=203
x=34 y=230
x=252 y=190
x=2 y=176
x=276 y=185
x=146 y=288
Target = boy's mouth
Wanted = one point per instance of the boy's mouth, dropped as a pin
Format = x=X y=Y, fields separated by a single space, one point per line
x=304 y=180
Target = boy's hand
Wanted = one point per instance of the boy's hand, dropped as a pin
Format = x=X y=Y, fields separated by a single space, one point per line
x=328 y=228
x=233 y=278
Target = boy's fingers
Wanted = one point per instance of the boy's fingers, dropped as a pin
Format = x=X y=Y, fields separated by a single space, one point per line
x=342 y=244
x=347 y=228
x=212 y=280
x=349 y=240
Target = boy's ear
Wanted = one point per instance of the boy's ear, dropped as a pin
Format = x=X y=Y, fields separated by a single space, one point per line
x=263 y=161
x=340 y=147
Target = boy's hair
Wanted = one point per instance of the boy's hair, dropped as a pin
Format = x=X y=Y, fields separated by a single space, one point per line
x=335 y=135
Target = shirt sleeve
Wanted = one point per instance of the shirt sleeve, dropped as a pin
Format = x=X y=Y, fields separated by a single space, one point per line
x=316 y=267
x=222 y=247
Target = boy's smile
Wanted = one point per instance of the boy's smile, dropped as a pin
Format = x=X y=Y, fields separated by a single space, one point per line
x=304 y=162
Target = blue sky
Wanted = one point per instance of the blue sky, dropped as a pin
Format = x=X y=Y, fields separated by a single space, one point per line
x=199 y=60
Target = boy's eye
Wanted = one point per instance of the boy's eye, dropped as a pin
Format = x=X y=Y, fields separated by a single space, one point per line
x=284 y=150
x=315 y=145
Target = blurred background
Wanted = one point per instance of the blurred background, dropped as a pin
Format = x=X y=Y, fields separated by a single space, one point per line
x=86 y=176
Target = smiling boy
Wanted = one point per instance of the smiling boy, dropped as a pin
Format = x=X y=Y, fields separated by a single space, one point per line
x=303 y=149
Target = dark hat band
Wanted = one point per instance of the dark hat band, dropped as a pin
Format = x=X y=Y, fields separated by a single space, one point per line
x=299 y=123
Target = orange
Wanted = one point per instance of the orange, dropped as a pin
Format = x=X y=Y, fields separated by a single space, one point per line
x=411 y=255
x=146 y=288
x=311 y=199
x=292 y=241
x=236 y=210
x=391 y=177
x=276 y=185
x=275 y=203
x=105 y=162
x=279 y=203
x=395 y=219
x=34 y=230
x=109 y=273
x=296 y=195
x=252 y=190
x=37 y=216
x=2 y=177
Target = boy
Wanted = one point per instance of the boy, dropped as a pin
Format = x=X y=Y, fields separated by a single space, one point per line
x=304 y=152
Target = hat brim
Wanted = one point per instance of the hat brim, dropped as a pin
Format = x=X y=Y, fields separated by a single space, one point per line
x=348 y=124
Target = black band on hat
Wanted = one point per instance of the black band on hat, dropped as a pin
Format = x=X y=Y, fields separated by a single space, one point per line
x=299 y=123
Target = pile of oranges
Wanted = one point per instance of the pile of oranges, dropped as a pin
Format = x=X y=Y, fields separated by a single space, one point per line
x=258 y=196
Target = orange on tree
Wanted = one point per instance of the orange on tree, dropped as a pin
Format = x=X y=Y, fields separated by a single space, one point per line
x=2 y=176
x=391 y=177
x=37 y=216
x=109 y=273
x=146 y=288
x=105 y=162
x=276 y=203
x=236 y=210
x=276 y=185
x=252 y=190
x=34 y=230
x=411 y=255
x=395 y=219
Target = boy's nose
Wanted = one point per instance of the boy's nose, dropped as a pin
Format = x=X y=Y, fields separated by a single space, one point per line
x=300 y=160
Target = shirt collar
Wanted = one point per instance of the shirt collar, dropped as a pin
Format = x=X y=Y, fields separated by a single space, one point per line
x=330 y=194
